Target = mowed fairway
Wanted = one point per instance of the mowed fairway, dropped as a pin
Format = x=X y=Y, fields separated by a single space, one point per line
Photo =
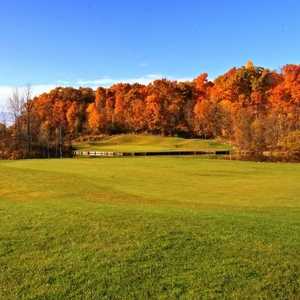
x=132 y=142
x=149 y=228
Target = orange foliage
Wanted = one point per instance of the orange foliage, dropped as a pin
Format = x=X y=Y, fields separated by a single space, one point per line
x=268 y=100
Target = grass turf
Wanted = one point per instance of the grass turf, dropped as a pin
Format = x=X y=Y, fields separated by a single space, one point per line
x=131 y=142
x=149 y=228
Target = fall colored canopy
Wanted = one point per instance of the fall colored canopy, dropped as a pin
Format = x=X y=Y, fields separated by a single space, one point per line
x=253 y=107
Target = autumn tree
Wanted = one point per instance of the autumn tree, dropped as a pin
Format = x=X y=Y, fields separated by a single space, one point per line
x=135 y=109
x=251 y=107
x=74 y=120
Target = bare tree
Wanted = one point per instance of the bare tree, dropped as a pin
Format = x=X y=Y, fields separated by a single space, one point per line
x=20 y=108
x=3 y=122
x=15 y=104
x=15 y=107
x=28 y=107
x=3 y=116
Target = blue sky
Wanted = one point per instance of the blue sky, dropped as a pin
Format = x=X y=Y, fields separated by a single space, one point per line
x=92 y=42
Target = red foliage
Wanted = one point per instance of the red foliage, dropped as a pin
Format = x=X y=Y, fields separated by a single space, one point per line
x=198 y=108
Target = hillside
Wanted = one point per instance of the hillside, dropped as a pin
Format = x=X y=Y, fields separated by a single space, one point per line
x=137 y=143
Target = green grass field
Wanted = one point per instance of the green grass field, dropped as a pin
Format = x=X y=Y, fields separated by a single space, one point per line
x=131 y=142
x=149 y=228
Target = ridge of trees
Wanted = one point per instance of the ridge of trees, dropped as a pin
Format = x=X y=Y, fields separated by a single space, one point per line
x=254 y=108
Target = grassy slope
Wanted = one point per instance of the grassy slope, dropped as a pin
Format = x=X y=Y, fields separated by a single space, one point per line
x=143 y=228
x=132 y=142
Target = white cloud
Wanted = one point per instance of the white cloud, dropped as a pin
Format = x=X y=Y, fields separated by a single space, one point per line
x=108 y=81
x=37 y=89
x=143 y=64
x=6 y=91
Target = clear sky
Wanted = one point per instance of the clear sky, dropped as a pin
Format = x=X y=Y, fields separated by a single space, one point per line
x=97 y=42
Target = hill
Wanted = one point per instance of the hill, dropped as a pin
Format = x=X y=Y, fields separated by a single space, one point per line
x=131 y=142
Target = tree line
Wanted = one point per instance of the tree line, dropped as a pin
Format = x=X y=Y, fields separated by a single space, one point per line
x=255 y=109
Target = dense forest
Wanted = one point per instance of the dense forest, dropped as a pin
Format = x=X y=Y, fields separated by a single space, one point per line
x=255 y=109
